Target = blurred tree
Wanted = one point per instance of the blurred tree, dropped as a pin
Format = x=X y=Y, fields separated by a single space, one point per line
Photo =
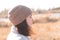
x=39 y=11
x=4 y=13
x=58 y=8
x=33 y=11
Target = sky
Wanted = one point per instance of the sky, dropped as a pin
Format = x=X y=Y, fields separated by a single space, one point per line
x=41 y=4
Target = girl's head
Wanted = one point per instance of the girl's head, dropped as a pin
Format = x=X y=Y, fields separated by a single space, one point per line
x=18 y=14
x=21 y=17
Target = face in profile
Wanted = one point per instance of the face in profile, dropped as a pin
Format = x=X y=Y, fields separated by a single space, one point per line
x=24 y=27
x=29 y=20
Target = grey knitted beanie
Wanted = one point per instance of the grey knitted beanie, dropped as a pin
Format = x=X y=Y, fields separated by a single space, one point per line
x=18 y=14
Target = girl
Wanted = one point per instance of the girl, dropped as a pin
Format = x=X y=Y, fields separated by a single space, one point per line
x=21 y=18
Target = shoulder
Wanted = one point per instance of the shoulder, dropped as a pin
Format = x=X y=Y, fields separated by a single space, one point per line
x=13 y=36
x=24 y=37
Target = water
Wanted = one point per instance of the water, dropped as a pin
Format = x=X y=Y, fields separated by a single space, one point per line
x=55 y=15
x=4 y=19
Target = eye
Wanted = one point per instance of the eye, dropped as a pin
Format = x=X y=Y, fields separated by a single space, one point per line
x=30 y=16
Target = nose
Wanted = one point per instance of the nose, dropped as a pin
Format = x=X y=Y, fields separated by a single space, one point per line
x=32 y=20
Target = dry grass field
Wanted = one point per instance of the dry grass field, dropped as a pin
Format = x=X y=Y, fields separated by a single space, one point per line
x=46 y=31
x=4 y=32
x=42 y=30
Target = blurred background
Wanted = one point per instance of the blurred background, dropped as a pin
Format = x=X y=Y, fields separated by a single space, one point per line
x=45 y=14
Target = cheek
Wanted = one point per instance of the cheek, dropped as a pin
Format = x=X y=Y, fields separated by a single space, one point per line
x=29 y=22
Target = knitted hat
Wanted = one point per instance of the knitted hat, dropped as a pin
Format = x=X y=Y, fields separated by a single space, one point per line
x=18 y=14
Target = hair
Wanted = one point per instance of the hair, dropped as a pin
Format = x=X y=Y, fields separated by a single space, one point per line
x=23 y=28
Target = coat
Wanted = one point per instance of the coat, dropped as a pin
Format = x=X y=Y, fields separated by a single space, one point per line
x=14 y=35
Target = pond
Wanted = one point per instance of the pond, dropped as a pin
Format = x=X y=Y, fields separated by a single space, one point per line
x=52 y=16
x=55 y=15
x=4 y=19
